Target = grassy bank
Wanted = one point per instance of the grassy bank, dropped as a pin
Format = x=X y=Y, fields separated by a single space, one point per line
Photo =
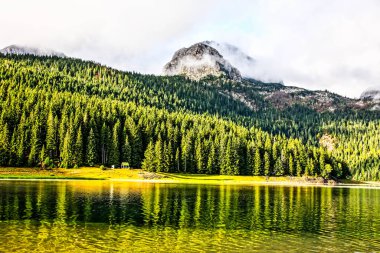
x=90 y=173
x=81 y=173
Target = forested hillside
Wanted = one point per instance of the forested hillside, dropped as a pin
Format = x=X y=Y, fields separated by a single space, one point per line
x=67 y=112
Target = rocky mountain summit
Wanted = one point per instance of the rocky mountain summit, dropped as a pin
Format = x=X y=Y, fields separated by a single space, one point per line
x=199 y=61
x=233 y=54
x=371 y=95
x=23 y=50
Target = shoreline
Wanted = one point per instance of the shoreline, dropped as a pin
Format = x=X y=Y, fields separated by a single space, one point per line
x=165 y=181
x=139 y=176
x=251 y=183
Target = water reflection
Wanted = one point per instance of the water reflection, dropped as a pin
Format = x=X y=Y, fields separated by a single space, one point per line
x=75 y=215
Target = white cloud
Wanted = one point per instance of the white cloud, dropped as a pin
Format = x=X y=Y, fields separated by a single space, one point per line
x=126 y=34
x=323 y=44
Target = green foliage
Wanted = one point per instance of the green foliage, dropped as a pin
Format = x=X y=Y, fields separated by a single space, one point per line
x=78 y=149
x=81 y=113
x=91 y=149
x=126 y=151
x=267 y=165
x=114 y=153
x=149 y=163
x=48 y=163
x=66 y=153
x=257 y=164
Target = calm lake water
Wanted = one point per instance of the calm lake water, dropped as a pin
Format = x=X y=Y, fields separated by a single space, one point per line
x=88 y=216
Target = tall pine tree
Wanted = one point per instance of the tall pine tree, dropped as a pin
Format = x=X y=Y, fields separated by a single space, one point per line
x=91 y=149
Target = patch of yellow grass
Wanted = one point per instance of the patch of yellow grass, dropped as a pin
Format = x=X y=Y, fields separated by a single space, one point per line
x=134 y=175
x=83 y=172
x=103 y=174
x=222 y=179
x=138 y=175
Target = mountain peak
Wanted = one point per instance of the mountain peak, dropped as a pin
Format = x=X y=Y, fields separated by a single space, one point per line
x=233 y=54
x=23 y=50
x=372 y=94
x=200 y=60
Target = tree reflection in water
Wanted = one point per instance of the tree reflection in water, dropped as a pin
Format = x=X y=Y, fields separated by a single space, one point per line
x=103 y=216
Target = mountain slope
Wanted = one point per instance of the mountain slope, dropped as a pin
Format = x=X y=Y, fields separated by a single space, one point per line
x=46 y=121
x=23 y=50
x=203 y=61
x=213 y=96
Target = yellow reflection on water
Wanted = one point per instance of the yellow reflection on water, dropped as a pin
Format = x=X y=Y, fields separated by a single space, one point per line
x=72 y=216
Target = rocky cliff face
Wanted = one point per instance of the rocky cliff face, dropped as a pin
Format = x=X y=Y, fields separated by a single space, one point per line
x=21 y=50
x=199 y=61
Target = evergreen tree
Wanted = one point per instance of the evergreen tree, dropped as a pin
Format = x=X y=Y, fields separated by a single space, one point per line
x=158 y=155
x=278 y=167
x=20 y=150
x=126 y=151
x=322 y=161
x=114 y=153
x=4 y=144
x=169 y=157
x=186 y=153
x=177 y=160
x=62 y=131
x=250 y=158
x=104 y=143
x=42 y=157
x=165 y=158
x=210 y=169
x=91 y=149
x=51 y=135
x=268 y=144
x=136 y=147
x=275 y=151
x=78 y=149
x=34 y=144
x=267 y=166
x=298 y=168
x=291 y=165
x=257 y=163
x=199 y=153
x=66 y=153
x=309 y=169
x=149 y=163
x=227 y=163
x=326 y=173
x=284 y=161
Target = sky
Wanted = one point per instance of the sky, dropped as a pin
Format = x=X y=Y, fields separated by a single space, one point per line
x=321 y=44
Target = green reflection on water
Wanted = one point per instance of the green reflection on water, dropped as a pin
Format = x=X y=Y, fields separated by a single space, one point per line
x=109 y=216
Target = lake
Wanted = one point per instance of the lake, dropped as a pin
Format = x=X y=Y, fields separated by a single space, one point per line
x=105 y=216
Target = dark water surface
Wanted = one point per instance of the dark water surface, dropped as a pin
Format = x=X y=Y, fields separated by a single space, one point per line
x=95 y=216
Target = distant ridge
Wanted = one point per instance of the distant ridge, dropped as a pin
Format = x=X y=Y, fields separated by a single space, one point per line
x=23 y=50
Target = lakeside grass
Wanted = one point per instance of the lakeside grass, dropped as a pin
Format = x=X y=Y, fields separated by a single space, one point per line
x=93 y=173
x=129 y=174
x=223 y=179
x=60 y=173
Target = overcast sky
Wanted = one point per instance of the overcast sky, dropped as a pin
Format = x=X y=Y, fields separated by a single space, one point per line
x=321 y=44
